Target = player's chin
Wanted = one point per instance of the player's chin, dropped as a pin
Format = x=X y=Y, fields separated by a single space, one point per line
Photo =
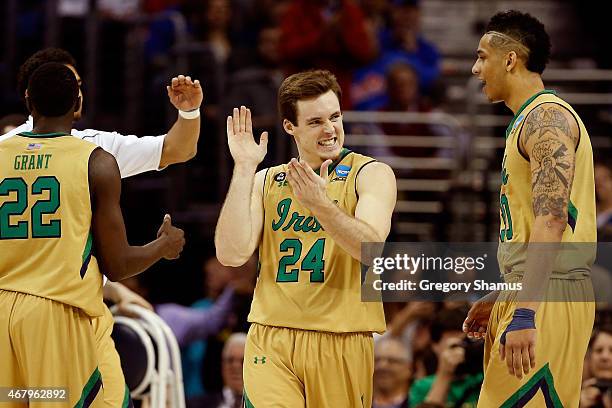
x=329 y=152
x=490 y=94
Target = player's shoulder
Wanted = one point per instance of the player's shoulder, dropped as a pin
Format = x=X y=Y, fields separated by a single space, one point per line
x=102 y=164
x=25 y=127
x=276 y=173
x=556 y=116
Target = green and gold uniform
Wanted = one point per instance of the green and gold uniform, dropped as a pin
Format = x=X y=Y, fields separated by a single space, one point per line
x=50 y=284
x=311 y=338
x=564 y=320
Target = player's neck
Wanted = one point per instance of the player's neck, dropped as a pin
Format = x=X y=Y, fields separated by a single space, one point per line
x=44 y=125
x=521 y=89
x=313 y=162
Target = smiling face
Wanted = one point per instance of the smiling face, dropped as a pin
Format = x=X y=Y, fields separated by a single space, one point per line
x=318 y=133
x=490 y=68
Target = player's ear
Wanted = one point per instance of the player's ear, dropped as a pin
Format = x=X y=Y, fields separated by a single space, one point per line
x=288 y=126
x=77 y=105
x=511 y=60
x=27 y=102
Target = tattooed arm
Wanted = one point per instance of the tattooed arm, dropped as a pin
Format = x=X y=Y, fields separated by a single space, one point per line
x=548 y=138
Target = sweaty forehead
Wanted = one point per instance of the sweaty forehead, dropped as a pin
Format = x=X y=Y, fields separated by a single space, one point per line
x=484 y=43
x=322 y=106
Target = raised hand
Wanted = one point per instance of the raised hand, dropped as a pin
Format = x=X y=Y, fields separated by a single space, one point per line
x=451 y=356
x=174 y=238
x=309 y=188
x=243 y=147
x=184 y=93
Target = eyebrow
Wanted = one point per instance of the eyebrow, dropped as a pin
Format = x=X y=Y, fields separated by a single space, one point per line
x=314 y=118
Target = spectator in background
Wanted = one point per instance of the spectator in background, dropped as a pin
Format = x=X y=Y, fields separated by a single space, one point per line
x=327 y=34
x=595 y=390
x=244 y=283
x=10 y=122
x=410 y=324
x=404 y=39
x=206 y=318
x=603 y=192
x=257 y=86
x=376 y=12
x=210 y=22
x=231 y=371
x=258 y=14
x=392 y=373
x=404 y=96
x=459 y=376
x=401 y=42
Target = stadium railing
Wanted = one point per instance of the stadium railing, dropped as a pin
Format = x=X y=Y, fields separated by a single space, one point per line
x=425 y=179
x=150 y=357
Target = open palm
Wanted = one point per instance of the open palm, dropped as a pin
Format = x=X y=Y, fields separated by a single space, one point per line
x=242 y=144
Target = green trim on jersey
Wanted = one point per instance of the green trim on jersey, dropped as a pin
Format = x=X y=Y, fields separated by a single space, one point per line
x=343 y=153
x=126 y=397
x=523 y=106
x=87 y=251
x=247 y=403
x=572 y=215
x=89 y=387
x=542 y=380
x=32 y=134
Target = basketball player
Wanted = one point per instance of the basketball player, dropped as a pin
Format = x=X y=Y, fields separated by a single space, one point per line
x=134 y=155
x=60 y=200
x=310 y=342
x=534 y=349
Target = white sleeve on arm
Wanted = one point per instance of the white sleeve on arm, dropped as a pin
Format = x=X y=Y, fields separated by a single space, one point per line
x=134 y=154
x=25 y=127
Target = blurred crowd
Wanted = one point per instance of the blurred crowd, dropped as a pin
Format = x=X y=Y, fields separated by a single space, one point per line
x=245 y=47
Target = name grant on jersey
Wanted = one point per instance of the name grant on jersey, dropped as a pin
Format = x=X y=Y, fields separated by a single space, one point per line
x=32 y=161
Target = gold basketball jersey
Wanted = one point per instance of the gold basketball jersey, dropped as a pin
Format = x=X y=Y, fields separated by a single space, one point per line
x=306 y=281
x=516 y=207
x=45 y=220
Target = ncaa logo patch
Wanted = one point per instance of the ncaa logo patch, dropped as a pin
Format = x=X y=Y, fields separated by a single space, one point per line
x=280 y=177
x=342 y=170
x=518 y=121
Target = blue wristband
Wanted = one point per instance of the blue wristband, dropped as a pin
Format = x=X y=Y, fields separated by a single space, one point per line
x=522 y=319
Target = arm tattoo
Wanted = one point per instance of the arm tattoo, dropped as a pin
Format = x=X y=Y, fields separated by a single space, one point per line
x=551 y=177
x=543 y=121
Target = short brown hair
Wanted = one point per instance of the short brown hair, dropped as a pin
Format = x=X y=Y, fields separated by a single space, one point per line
x=304 y=85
